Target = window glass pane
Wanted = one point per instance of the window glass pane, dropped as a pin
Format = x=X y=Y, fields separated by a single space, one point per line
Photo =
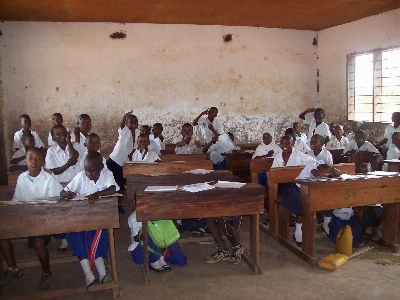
x=363 y=85
x=390 y=84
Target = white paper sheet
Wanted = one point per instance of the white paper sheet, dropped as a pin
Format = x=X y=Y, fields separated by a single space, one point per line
x=382 y=173
x=161 y=188
x=225 y=143
x=199 y=171
x=197 y=187
x=229 y=184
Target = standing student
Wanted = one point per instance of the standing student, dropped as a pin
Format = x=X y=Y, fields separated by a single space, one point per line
x=299 y=134
x=212 y=127
x=189 y=144
x=355 y=125
x=360 y=144
x=91 y=247
x=128 y=134
x=143 y=153
x=82 y=130
x=337 y=140
x=36 y=182
x=317 y=126
x=157 y=136
x=394 y=147
x=318 y=151
x=26 y=123
x=390 y=129
x=28 y=141
x=57 y=119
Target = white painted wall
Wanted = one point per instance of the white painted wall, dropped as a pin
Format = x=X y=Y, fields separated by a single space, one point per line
x=165 y=73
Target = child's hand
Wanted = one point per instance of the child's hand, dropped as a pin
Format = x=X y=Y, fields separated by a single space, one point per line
x=68 y=194
x=205 y=112
x=270 y=153
x=68 y=138
x=77 y=131
x=214 y=138
x=72 y=160
x=161 y=138
x=91 y=199
x=197 y=143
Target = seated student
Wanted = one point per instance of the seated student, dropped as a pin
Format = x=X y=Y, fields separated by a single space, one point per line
x=128 y=134
x=158 y=258
x=57 y=119
x=92 y=144
x=355 y=125
x=82 y=130
x=394 y=147
x=189 y=144
x=299 y=134
x=91 y=247
x=212 y=127
x=145 y=129
x=143 y=153
x=215 y=151
x=318 y=151
x=332 y=128
x=317 y=126
x=337 y=140
x=359 y=145
x=390 y=129
x=157 y=136
x=376 y=163
x=298 y=144
x=36 y=182
x=63 y=158
x=25 y=122
x=28 y=141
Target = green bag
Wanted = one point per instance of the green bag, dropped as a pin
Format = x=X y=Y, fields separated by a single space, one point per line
x=163 y=232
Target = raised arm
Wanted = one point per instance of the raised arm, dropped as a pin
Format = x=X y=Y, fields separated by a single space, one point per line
x=303 y=114
x=123 y=121
x=196 y=121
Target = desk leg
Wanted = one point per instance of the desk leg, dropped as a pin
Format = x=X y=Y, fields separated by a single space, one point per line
x=273 y=209
x=390 y=227
x=146 y=268
x=308 y=227
x=253 y=259
x=116 y=291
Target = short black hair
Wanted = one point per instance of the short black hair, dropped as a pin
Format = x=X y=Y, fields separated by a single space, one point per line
x=24 y=116
x=143 y=136
x=90 y=135
x=94 y=158
x=377 y=157
x=231 y=135
x=158 y=125
x=82 y=116
x=187 y=125
x=55 y=127
x=213 y=107
x=290 y=131
x=360 y=132
x=321 y=110
x=320 y=137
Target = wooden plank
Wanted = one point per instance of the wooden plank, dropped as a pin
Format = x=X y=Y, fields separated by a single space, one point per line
x=239 y=164
x=393 y=166
x=359 y=159
x=13 y=177
x=17 y=168
x=167 y=167
x=184 y=157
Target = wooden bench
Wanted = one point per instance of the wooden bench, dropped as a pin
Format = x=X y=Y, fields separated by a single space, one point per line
x=184 y=157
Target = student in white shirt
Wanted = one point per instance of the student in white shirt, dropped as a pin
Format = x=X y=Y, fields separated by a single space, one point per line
x=318 y=151
x=57 y=119
x=189 y=144
x=82 y=130
x=394 y=147
x=212 y=127
x=337 y=140
x=91 y=247
x=143 y=153
x=299 y=134
x=387 y=138
x=36 y=182
x=298 y=144
x=359 y=145
x=289 y=156
x=216 y=151
x=25 y=122
x=28 y=141
x=317 y=126
x=268 y=147
x=355 y=125
x=145 y=129
x=157 y=136
x=92 y=144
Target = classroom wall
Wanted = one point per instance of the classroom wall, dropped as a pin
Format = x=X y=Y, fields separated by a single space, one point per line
x=380 y=31
x=165 y=73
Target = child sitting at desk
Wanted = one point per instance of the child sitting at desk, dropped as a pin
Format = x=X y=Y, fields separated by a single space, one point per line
x=25 y=122
x=299 y=134
x=189 y=144
x=28 y=141
x=57 y=119
x=91 y=247
x=337 y=140
x=145 y=129
x=92 y=144
x=157 y=136
x=318 y=151
x=212 y=127
x=298 y=144
x=36 y=182
x=215 y=151
x=82 y=130
x=355 y=125
x=143 y=153
x=394 y=147
x=360 y=145
x=317 y=126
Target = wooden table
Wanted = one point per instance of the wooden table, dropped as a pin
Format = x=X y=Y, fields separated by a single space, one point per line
x=317 y=196
x=65 y=216
x=239 y=164
x=248 y=200
x=393 y=165
x=184 y=157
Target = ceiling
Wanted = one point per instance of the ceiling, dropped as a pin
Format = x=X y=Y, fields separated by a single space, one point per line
x=289 y=14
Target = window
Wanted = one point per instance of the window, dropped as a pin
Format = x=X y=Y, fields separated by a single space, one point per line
x=373 y=85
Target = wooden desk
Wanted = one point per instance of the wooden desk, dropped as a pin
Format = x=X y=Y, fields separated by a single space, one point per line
x=393 y=165
x=239 y=164
x=248 y=200
x=65 y=216
x=338 y=156
x=359 y=159
x=316 y=196
x=248 y=146
x=184 y=157
x=260 y=165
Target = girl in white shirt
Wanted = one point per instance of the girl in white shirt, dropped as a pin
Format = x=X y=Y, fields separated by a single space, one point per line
x=318 y=151
x=337 y=140
x=143 y=153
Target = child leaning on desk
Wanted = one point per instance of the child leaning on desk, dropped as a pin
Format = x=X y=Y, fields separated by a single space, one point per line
x=189 y=144
x=36 y=182
x=91 y=247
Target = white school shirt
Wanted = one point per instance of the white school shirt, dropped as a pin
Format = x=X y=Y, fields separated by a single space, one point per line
x=321 y=129
x=344 y=213
x=350 y=136
x=18 y=154
x=385 y=167
x=153 y=146
x=17 y=140
x=150 y=156
x=124 y=145
x=135 y=227
x=82 y=160
x=335 y=143
x=299 y=145
x=324 y=155
x=209 y=134
x=187 y=149
x=367 y=146
x=297 y=158
x=157 y=140
x=57 y=157
x=393 y=152
x=44 y=185
x=216 y=153
x=50 y=141
x=81 y=141
x=302 y=136
x=388 y=133
x=263 y=149
x=83 y=186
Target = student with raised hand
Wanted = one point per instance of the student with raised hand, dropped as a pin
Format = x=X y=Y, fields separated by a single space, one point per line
x=82 y=130
x=189 y=144
x=212 y=127
x=317 y=126
x=26 y=123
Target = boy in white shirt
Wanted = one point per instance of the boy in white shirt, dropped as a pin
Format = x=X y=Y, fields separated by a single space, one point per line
x=143 y=153
x=337 y=140
x=157 y=136
x=57 y=119
x=359 y=145
x=299 y=134
x=36 y=182
x=189 y=144
x=318 y=151
x=91 y=247
x=28 y=141
x=317 y=126
x=145 y=129
x=390 y=129
x=298 y=144
x=394 y=147
x=82 y=130
x=92 y=144
x=212 y=127
x=215 y=151
x=25 y=122
x=355 y=125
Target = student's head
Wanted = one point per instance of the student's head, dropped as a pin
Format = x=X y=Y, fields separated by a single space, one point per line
x=268 y=137
x=362 y=168
x=396 y=117
x=317 y=142
x=396 y=139
x=231 y=136
x=338 y=131
x=291 y=132
x=360 y=137
x=286 y=143
x=356 y=125
x=297 y=127
x=332 y=128
x=25 y=122
x=28 y=140
x=93 y=165
x=59 y=134
x=212 y=113
x=92 y=142
x=319 y=115
x=376 y=162
x=143 y=141
x=84 y=123
x=323 y=170
x=131 y=122
x=145 y=129
x=57 y=119
x=187 y=130
x=34 y=160
x=157 y=129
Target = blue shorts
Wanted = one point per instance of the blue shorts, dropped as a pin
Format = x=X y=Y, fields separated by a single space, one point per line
x=336 y=224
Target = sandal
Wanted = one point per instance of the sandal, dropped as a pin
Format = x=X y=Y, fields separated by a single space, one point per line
x=106 y=278
x=90 y=285
x=160 y=270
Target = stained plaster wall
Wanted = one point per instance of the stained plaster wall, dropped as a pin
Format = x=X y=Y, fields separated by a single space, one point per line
x=165 y=73
x=380 y=31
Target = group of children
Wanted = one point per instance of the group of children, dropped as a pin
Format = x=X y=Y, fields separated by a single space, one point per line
x=74 y=167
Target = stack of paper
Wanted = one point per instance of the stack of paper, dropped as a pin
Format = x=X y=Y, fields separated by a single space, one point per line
x=199 y=171
x=347 y=176
x=161 y=188
x=197 y=187
x=9 y=203
x=45 y=200
x=229 y=184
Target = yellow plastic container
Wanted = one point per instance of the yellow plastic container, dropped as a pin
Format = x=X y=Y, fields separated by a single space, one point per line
x=333 y=261
x=344 y=241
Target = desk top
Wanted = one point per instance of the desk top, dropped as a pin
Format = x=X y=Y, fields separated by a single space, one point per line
x=166 y=167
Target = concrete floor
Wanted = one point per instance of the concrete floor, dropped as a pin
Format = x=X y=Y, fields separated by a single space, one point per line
x=374 y=275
